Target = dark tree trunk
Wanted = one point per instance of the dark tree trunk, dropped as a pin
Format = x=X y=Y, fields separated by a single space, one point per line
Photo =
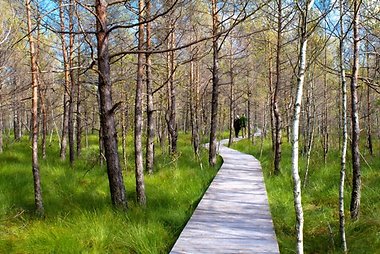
x=79 y=108
x=149 y=97
x=107 y=121
x=215 y=86
x=356 y=176
x=34 y=69
x=139 y=168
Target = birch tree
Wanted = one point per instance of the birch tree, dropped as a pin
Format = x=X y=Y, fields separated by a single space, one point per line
x=344 y=129
x=355 y=132
x=304 y=12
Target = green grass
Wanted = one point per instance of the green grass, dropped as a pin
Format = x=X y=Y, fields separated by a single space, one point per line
x=320 y=200
x=79 y=215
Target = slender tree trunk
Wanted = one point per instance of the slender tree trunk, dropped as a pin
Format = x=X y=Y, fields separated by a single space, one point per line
x=1 y=131
x=79 y=108
x=194 y=107
x=72 y=87
x=356 y=176
x=115 y=177
x=311 y=127
x=171 y=115
x=276 y=109
x=369 y=109
x=149 y=97
x=342 y=230
x=272 y=117
x=34 y=69
x=325 y=133
x=139 y=168
x=231 y=118
x=16 y=117
x=296 y=122
x=215 y=86
x=66 y=98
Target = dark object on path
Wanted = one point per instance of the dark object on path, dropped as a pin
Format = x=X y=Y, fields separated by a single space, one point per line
x=243 y=125
x=237 y=126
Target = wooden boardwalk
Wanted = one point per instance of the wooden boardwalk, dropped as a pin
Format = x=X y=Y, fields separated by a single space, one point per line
x=233 y=215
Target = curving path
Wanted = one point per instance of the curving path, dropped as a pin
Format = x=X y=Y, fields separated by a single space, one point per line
x=233 y=215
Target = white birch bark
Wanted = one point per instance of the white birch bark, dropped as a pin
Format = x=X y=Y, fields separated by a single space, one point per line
x=344 y=132
x=296 y=122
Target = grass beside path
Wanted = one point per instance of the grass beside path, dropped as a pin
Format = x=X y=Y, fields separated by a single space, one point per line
x=79 y=216
x=320 y=201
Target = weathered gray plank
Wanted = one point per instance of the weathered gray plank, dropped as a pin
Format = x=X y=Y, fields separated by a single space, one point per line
x=233 y=215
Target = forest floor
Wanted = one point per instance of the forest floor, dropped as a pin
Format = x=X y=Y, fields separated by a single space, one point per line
x=79 y=216
x=320 y=200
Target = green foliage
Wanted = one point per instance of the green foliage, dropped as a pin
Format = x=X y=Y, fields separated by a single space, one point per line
x=79 y=215
x=320 y=201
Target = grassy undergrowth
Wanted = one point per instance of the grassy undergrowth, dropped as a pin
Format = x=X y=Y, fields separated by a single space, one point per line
x=320 y=201
x=79 y=215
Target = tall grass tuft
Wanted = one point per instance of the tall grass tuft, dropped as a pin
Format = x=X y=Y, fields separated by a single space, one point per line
x=79 y=215
x=320 y=200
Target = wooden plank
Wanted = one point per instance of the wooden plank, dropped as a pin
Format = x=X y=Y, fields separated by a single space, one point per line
x=233 y=215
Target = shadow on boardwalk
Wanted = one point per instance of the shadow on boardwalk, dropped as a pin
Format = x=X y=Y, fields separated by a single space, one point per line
x=233 y=215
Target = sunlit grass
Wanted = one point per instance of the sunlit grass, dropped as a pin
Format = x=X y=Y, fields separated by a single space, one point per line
x=320 y=200
x=79 y=215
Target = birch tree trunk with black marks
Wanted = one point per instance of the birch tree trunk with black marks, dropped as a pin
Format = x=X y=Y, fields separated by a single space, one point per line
x=356 y=174
x=342 y=230
x=304 y=12
x=276 y=109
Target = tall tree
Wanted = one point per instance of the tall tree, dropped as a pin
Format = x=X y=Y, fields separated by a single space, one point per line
x=171 y=115
x=344 y=129
x=34 y=70
x=304 y=12
x=355 y=132
x=66 y=95
x=215 y=84
x=276 y=109
x=107 y=109
x=139 y=168
x=149 y=95
x=72 y=82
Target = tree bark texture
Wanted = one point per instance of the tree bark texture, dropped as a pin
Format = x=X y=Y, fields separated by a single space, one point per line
x=215 y=86
x=139 y=168
x=107 y=121
x=276 y=109
x=355 y=133
x=296 y=122
x=34 y=69
x=149 y=96
x=171 y=114
x=72 y=87
x=66 y=96
x=342 y=231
